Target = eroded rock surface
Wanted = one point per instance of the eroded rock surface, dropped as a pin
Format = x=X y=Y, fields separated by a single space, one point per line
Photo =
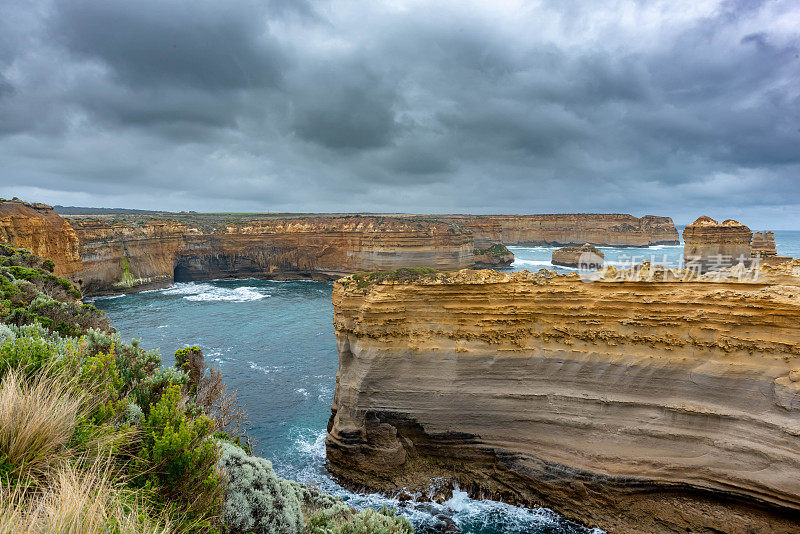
x=585 y=257
x=39 y=229
x=638 y=407
x=611 y=229
x=493 y=257
x=122 y=253
x=763 y=244
x=711 y=246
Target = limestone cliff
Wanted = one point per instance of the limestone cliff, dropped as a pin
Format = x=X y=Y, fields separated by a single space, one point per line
x=125 y=252
x=585 y=257
x=638 y=407
x=763 y=244
x=710 y=245
x=39 y=229
x=618 y=230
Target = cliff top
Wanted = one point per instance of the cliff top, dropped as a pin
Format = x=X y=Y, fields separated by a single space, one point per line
x=787 y=273
x=706 y=221
x=586 y=247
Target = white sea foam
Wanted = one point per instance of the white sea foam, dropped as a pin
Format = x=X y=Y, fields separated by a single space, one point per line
x=311 y=443
x=470 y=515
x=186 y=288
x=265 y=370
x=105 y=297
x=534 y=263
x=302 y=391
x=216 y=294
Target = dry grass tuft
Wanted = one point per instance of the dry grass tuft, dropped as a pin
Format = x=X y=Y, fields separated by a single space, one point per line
x=38 y=418
x=80 y=499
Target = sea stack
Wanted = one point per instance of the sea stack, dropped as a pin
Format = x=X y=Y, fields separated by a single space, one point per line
x=711 y=246
x=585 y=257
x=493 y=257
x=763 y=244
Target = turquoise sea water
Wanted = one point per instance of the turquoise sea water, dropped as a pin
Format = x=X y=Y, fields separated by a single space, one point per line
x=274 y=343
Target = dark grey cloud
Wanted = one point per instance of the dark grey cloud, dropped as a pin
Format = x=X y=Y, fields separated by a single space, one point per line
x=674 y=108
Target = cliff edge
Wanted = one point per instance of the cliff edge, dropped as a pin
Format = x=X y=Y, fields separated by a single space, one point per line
x=634 y=406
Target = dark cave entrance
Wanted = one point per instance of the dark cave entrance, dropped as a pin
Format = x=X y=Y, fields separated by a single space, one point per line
x=183 y=271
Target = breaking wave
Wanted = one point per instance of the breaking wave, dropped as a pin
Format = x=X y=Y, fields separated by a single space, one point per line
x=470 y=516
x=204 y=292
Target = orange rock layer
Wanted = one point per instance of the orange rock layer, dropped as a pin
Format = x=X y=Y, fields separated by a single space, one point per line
x=710 y=245
x=763 y=244
x=637 y=407
x=123 y=253
x=118 y=253
x=39 y=229
x=617 y=230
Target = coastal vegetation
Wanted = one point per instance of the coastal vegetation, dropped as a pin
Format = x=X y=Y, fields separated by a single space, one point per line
x=497 y=249
x=96 y=435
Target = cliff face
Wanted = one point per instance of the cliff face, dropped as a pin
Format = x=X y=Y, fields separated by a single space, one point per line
x=638 y=407
x=570 y=229
x=129 y=252
x=763 y=244
x=39 y=229
x=711 y=245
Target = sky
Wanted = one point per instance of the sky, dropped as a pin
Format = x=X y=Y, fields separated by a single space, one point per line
x=676 y=108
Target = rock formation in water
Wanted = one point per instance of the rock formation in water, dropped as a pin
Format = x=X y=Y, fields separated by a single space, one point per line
x=711 y=246
x=618 y=230
x=585 y=257
x=763 y=244
x=124 y=252
x=493 y=257
x=763 y=247
x=39 y=229
x=637 y=407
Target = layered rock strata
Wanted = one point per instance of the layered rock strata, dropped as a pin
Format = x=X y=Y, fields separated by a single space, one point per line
x=711 y=246
x=585 y=257
x=124 y=253
x=39 y=229
x=637 y=407
x=763 y=244
x=602 y=229
x=493 y=257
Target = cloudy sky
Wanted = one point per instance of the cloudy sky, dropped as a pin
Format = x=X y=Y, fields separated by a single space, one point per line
x=671 y=107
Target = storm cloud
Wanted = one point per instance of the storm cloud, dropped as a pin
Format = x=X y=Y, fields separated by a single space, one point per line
x=676 y=108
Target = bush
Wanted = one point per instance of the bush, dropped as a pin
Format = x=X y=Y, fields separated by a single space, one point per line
x=29 y=353
x=179 y=459
x=341 y=519
x=257 y=500
x=49 y=265
x=210 y=392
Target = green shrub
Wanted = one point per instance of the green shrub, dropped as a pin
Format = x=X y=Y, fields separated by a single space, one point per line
x=190 y=360
x=30 y=353
x=49 y=265
x=99 y=375
x=256 y=499
x=178 y=459
x=341 y=519
x=134 y=364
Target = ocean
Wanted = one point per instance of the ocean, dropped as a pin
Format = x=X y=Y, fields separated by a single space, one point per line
x=274 y=343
